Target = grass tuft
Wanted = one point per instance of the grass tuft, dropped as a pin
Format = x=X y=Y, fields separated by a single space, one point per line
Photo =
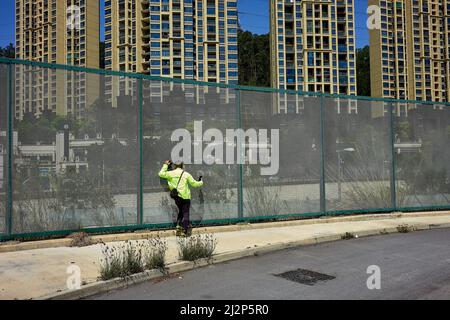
x=128 y=258
x=196 y=247
x=348 y=236
x=404 y=228
x=156 y=257
x=80 y=239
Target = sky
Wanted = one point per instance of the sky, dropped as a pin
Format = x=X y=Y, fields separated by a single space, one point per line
x=253 y=16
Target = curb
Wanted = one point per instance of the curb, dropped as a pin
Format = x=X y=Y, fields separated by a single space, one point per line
x=65 y=242
x=114 y=284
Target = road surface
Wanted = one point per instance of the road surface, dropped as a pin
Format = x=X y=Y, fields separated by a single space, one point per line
x=412 y=266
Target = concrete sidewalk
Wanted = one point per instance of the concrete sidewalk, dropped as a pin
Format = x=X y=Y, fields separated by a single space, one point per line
x=37 y=273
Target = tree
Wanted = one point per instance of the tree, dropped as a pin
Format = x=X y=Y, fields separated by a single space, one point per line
x=8 y=51
x=254 y=59
x=363 y=71
x=102 y=55
x=3 y=94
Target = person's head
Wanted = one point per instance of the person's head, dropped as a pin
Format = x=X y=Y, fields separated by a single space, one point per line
x=178 y=165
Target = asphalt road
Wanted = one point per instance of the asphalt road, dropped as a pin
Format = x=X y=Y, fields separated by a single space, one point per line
x=412 y=266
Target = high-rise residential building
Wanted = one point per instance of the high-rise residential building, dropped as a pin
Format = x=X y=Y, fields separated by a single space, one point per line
x=56 y=31
x=410 y=54
x=187 y=39
x=313 y=46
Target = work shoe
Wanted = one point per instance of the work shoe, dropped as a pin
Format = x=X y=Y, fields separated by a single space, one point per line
x=180 y=231
x=182 y=234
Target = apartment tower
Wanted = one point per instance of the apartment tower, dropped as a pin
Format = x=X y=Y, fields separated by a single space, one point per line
x=410 y=54
x=62 y=32
x=186 y=39
x=313 y=46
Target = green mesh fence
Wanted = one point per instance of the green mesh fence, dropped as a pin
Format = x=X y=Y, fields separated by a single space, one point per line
x=81 y=149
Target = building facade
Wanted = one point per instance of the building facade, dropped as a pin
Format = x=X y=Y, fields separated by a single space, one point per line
x=186 y=39
x=62 y=32
x=313 y=46
x=410 y=54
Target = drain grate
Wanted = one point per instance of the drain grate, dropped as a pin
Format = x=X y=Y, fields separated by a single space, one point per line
x=306 y=277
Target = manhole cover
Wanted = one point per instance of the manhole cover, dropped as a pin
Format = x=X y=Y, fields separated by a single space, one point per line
x=306 y=277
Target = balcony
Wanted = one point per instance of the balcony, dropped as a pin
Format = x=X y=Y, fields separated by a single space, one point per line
x=342 y=48
x=343 y=80
x=290 y=49
x=288 y=16
x=289 y=32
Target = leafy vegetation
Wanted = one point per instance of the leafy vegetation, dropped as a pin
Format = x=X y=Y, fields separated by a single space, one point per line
x=8 y=52
x=128 y=258
x=196 y=247
x=348 y=236
x=254 y=59
x=363 y=71
x=156 y=257
x=111 y=266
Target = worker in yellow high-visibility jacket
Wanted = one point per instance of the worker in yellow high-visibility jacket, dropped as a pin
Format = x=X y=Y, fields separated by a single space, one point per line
x=180 y=182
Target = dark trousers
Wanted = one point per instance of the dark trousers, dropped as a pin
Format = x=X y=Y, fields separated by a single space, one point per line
x=184 y=207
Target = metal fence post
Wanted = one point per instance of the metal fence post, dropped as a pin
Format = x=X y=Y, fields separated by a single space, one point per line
x=10 y=148
x=393 y=177
x=140 y=219
x=240 y=186
x=323 y=202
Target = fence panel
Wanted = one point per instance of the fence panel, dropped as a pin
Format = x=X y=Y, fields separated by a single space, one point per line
x=76 y=138
x=191 y=112
x=289 y=183
x=75 y=158
x=358 y=155
x=4 y=80
x=422 y=151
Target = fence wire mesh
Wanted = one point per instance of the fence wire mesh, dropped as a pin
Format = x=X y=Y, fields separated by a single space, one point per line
x=3 y=146
x=358 y=157
x=422 y=153
x=295 y=188
x=87 y=147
